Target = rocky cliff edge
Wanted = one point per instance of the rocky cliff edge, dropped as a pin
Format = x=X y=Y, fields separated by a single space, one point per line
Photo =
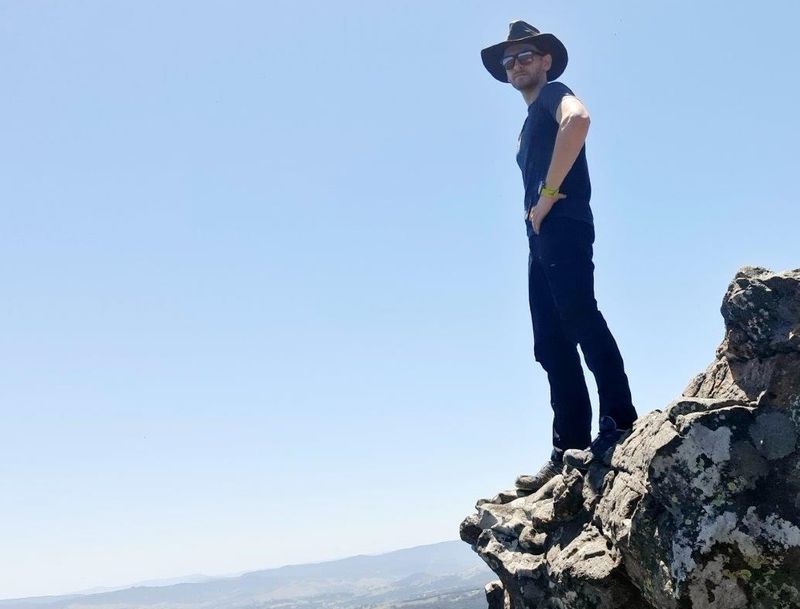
x=697 y=507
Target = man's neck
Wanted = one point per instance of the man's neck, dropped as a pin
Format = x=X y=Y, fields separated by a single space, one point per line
x=530 y=95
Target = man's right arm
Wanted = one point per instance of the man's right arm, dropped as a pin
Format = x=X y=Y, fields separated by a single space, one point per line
x=573 y=126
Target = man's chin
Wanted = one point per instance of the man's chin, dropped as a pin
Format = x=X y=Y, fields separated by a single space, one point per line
x=521 y=81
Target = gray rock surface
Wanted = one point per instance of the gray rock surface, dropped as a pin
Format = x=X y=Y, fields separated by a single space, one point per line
x=697 y=507
x=495 y=595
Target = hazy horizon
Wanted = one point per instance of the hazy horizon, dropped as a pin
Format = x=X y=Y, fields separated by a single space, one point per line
x=163 y=582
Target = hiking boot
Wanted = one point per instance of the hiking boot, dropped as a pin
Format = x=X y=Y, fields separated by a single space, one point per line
x=608 y=436
x=551 y=469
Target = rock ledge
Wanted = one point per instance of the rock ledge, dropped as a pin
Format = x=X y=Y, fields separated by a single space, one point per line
x=698 y=507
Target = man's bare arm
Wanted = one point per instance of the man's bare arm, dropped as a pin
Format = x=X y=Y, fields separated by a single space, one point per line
x=573 y=120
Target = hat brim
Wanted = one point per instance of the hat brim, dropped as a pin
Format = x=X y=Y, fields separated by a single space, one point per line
x=547 y=43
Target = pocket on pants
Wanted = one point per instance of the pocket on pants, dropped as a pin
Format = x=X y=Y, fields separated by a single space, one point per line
x=566 y=257
x=562 y=239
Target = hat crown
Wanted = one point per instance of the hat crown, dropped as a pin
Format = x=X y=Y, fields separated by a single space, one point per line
x=519 y=29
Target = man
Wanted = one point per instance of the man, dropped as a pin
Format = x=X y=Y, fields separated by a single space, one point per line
x=560 y=227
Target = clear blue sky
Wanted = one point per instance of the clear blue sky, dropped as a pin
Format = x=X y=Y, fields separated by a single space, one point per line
x=263 y=263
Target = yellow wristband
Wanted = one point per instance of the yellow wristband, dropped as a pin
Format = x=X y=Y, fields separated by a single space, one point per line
x=550 y=192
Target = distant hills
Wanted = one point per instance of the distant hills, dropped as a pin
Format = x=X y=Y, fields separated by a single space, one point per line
x=444 y=575
x=191 y=579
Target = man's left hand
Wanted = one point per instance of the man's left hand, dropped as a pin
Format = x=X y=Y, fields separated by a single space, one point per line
x=538 y=212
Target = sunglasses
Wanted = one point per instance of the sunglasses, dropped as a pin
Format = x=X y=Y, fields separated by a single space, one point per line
x=523 y=57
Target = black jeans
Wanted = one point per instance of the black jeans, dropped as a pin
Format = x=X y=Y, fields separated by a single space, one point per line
x=564 y=314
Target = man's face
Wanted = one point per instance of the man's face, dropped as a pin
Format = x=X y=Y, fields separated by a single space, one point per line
x=527 y=76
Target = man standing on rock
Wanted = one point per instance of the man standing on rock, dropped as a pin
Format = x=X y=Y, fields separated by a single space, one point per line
x=560 y=227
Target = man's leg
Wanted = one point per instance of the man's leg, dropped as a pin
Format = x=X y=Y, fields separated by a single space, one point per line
x=569 y=397
x=566 y=253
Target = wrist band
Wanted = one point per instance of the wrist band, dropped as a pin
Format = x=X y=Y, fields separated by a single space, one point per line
x=550 y=192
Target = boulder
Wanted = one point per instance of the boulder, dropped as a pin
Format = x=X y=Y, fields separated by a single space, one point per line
x=697 y=507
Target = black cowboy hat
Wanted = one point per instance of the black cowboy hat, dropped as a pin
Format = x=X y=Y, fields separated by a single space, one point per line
x=519 y=31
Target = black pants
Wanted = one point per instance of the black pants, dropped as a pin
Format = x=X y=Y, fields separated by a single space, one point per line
x=565 y=314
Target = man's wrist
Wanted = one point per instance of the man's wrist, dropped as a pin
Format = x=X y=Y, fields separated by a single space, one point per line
x=548 y=190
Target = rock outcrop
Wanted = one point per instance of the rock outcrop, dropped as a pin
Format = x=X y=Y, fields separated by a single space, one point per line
x=697 y=507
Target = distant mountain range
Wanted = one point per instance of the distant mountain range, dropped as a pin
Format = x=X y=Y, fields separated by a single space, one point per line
x=444 y=575
x=187 y=579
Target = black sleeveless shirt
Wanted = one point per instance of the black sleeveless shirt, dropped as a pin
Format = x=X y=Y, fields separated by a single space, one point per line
x=536 y=142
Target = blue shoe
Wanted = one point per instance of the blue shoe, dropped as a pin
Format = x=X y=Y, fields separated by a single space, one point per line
x=608 y=436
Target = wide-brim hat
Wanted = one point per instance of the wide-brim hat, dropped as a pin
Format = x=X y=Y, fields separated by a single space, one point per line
x=519 y=31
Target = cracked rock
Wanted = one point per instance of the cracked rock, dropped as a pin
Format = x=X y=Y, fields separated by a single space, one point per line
x=699 y=506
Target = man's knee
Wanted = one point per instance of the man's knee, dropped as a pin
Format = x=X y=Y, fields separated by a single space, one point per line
x=555 y=352
x=581 y=323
